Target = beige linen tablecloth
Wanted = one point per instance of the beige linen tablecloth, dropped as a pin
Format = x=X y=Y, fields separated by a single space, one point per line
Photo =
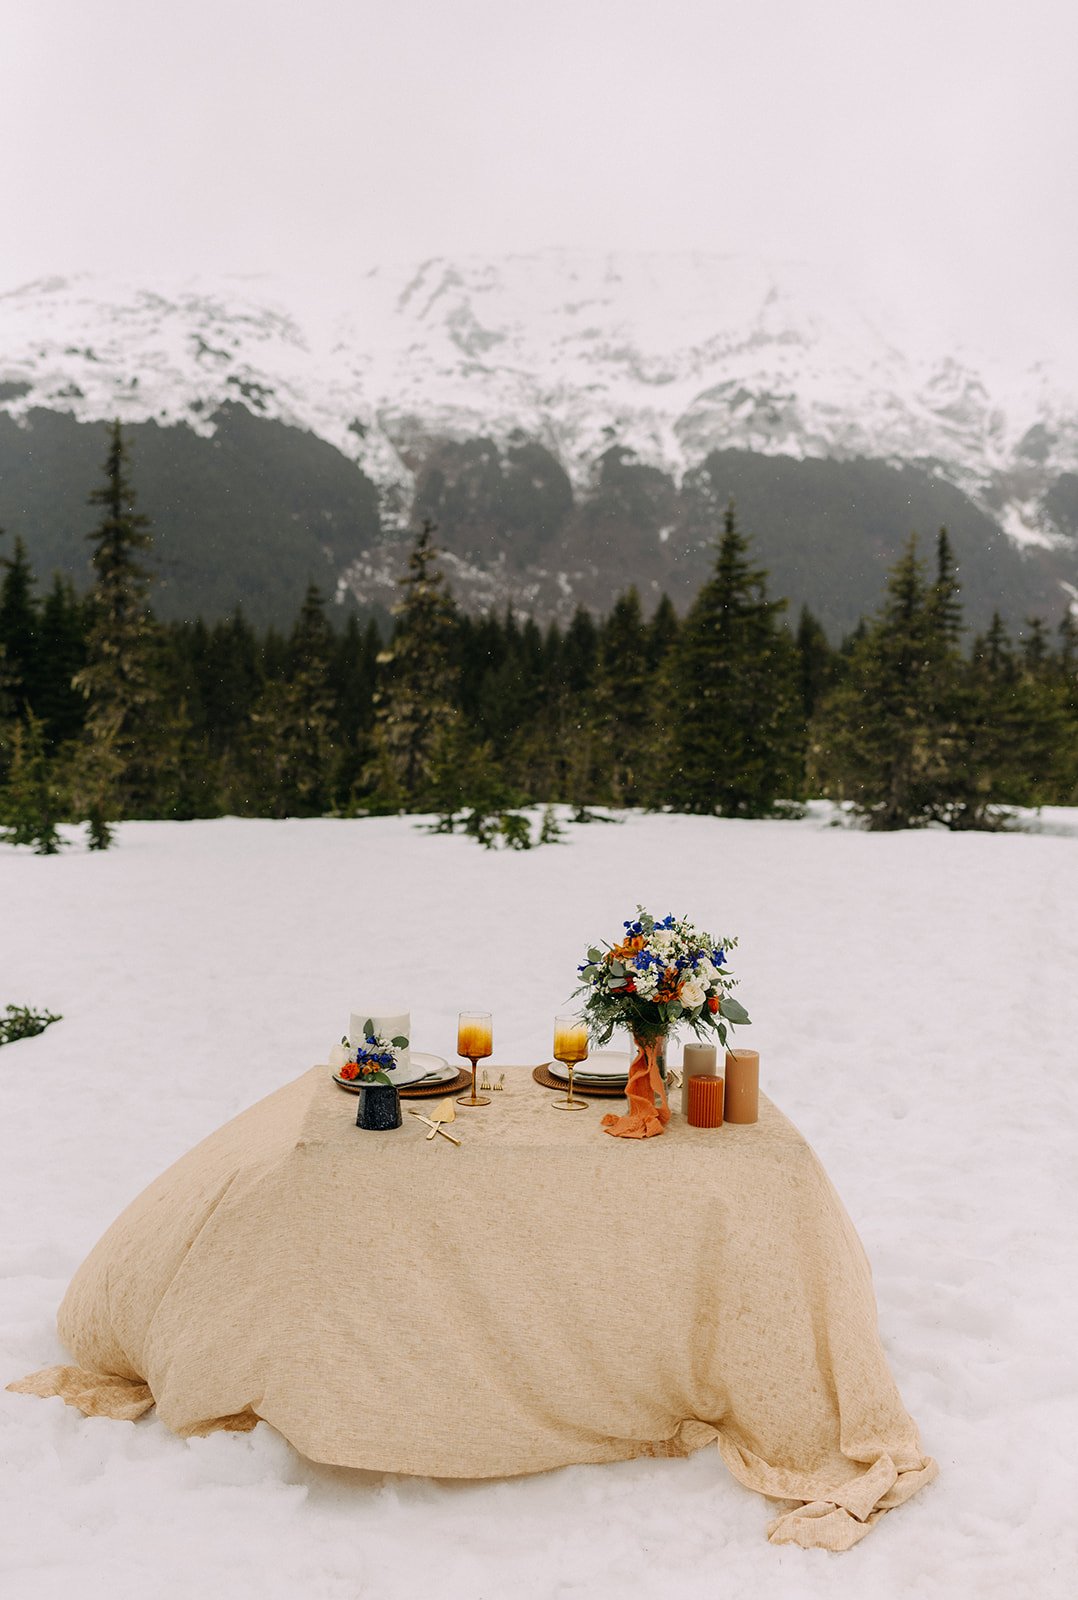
x=589 y=1299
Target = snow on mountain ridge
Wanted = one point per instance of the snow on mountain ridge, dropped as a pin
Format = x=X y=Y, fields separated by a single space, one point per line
x=669 y=356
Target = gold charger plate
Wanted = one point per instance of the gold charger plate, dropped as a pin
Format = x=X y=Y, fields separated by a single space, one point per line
x=586 y=1091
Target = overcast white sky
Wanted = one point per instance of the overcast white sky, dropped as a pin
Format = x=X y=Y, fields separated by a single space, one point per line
x=931 y=146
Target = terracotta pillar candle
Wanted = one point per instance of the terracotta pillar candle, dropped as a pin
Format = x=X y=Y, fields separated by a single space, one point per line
x=705 y=1102
x=742 y=1085
x=697 y=1061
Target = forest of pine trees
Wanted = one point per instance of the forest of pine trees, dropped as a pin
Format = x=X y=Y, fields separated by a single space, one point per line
x=107 y=713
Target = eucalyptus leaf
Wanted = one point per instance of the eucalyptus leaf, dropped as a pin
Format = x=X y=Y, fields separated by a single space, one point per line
x=400 y=1042
x=733 y=1010
x=368 y=1028
x=594 y=954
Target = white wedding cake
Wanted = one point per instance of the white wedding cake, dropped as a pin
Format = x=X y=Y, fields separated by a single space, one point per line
x=384 y=1025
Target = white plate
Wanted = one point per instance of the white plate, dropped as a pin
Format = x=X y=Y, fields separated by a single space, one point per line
x=434 y=1069
x=421 y=1068
x=605 y=1066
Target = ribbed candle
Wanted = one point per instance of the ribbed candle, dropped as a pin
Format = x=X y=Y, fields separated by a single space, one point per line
x=705 y=1102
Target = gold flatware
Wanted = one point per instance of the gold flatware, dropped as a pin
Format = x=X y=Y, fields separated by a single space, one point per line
x=444 y=1112
x=436 y=1127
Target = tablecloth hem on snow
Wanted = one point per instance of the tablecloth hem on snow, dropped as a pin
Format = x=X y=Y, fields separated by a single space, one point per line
x=239 y=1286
x=103 y=1394
x=835 y=1523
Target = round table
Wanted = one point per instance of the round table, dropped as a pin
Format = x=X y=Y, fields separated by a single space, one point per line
x=543 y=1295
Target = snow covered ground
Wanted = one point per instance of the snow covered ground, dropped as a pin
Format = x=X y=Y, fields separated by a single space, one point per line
x=916 y=1007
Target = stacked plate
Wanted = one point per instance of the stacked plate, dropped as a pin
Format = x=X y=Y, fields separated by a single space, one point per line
x=606 y=1069
x=422 y=1068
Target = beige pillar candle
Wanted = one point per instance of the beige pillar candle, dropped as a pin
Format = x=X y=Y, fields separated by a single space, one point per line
x=742 y=1085
x=697 y=1061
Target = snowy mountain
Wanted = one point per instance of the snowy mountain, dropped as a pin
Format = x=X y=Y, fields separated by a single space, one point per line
x=649 y=362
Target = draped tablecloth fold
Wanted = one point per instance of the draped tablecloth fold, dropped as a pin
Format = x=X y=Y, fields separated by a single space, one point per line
x=295 y=1269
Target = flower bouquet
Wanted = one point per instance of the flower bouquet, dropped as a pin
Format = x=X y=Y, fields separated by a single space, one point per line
x=658 y=976
x=372 y=1059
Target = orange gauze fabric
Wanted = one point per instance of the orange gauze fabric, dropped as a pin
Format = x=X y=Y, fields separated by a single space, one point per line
x=645 y=1119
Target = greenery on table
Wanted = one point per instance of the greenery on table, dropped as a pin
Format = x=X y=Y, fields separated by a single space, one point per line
x=107 y=713
x=20 y=1022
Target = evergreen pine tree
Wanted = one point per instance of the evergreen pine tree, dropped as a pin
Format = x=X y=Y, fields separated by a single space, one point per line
x=868 y=740
x=418 y=696
x=951 y=705
x=817 y=662
x=944 y=602
x=63 y=653
x=352 y=678
x=995 y=716
x=1024 y=739
x=1036 y=648
x=230 y=681
x=559 y=752
x=579 y=654
x=293 y=723
x=19 y=629
x=730 y=693
x=116 y=776
x=892 y=737
x=624 y=704
x=509 y=695
x=1068 y=646
x=33 y=797
x=662 y=631
x=1066 y=668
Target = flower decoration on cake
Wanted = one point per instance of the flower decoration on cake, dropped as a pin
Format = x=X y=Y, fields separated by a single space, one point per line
x=660 y=974
x=373 y=1058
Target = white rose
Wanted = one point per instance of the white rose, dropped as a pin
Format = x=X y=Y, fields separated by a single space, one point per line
x=692 y=994
x=661 y=940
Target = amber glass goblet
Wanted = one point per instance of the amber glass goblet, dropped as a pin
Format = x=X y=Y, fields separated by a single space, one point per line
x=475 y=1041
x=570 y=1048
